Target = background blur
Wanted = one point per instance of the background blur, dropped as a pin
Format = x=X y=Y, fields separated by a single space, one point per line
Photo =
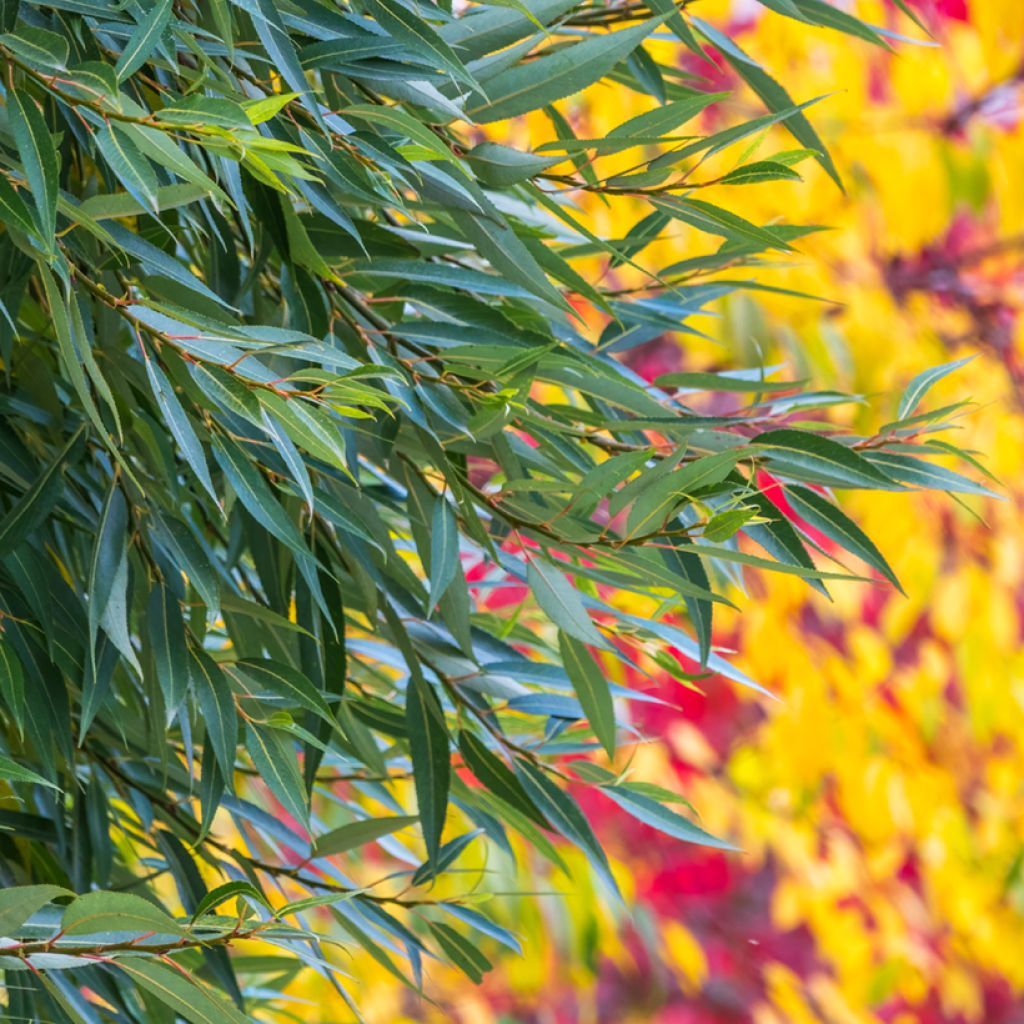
x=879 y=805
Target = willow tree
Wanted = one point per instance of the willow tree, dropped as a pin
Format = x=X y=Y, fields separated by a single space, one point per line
x=273 y=332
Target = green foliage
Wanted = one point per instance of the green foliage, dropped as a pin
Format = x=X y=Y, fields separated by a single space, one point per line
x=273 y=329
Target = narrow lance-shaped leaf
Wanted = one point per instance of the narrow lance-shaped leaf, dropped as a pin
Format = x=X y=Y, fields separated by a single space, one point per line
x=218 y=709
x=359 y=833
x=132 y=169
x=920 y=385
x=179 y=424
x=36 y=503
x=407 y=27
x=591 y=688
x=39 y=159
x=283 y=681
x=12 y=684
x=561 y=602
x=429 y=746
x=444 y=550
x=194 y=1001
x=144 y=40
x=106 y=578
x=170 y=651
x=564 y=813
x=275 y=757
x=657 y=815
x=822 y=515
x=820 y=460
x=11 y=771
x=776 y=98
x=534 y=84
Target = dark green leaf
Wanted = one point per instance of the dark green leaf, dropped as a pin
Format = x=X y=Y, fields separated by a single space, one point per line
x=821 y=514
x=429 y=746
x=820 y=460
x=359 y=833
x=191 y=999
x=97 y=912
x=39 y=159
x=37 y=502
x=275 y=757
x=536 y=83
x=591 y=686
x=144 y=40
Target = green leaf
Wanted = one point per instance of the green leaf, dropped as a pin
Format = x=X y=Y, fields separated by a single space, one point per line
x=14 y=772
x=218 y=709
x=667 y=118
x=12 y=684
x=479 y=32
x=701 y=611
x=261 y=110
x=716 y=221
x=821 y=514
x=496 y=241
x=406 y=27
x=405 y=124
x=497 y=776
x=108 y=594
x=133 y=170
x=38 y=501
x=359 y=833
x=98 y=912
x=117 y=205
x=179 y=424
x=820 y=460
x=724 y=382
x=723 y=525
x=537 y=83
x=759 y=171
x=919 y=473
x=38 y=158
x=652 y=812
x=205 y=111
x=777 y=99
x=562 y=604
x=13 y=210
x=255 y=494
x=275 y=757
x=501 y=166
x=170 y=651
x=818 y=12
x=38 y=46
x=920 y=385
x=186 y=996
x=463 y=953
x=444 y=550
x=591 y=686
x=144 y=40
x=19 y=902
x=566 y=817
x=429 y=747
x=265 y=676
x=229 y=890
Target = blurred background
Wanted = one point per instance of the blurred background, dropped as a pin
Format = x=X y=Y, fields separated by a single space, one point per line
x=879 y=804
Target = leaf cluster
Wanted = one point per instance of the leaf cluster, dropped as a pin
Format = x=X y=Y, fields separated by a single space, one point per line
x=294 y=377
